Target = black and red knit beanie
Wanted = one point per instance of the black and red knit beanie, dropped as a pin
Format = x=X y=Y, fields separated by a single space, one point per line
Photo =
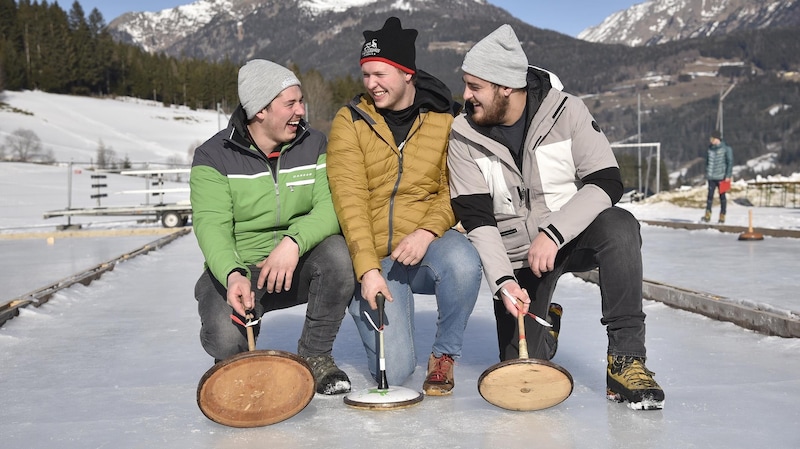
x=391 y=44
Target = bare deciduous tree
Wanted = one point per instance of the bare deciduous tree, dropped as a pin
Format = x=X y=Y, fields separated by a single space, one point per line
x=24 y=145
x=106 y=156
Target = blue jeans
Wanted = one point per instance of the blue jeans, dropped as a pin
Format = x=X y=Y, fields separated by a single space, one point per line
x=612 y=243
x=713 y=185
x=451 y=270
x=323 y=278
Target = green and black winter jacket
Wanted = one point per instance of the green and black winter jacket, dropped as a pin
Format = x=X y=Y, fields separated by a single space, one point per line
x=719 y=162
x=241 y=208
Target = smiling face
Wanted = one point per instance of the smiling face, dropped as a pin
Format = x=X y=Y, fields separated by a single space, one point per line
x=490 y=105
x=278 y=122
x=389 y=87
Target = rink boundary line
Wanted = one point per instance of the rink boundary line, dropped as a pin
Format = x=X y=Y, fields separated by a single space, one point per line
x=85 y=233
x=677 y=224
x=40 y=296
x=775 y=322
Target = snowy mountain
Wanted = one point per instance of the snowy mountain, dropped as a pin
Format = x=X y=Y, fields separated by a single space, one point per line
x=254 y=23
x=156 y=31
x=159 y=31
x=240 y=29
x=320 y=34
x=659 y=21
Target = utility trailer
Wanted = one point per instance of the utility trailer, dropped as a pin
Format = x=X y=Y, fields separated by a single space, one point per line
x=171 y=215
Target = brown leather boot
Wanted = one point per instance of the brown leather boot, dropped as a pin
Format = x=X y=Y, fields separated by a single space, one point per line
x=439 y=379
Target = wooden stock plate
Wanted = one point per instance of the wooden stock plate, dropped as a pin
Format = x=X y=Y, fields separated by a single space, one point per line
x=256 y=388
x=525 y=384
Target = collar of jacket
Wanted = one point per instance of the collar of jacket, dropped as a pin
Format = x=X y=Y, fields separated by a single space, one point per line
x=363 y=108
x=240 y=136
x=431 y=95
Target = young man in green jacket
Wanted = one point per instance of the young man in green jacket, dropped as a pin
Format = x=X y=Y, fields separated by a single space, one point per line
x=263 y=216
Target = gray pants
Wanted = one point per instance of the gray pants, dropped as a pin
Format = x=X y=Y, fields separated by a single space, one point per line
x=612 y=243
x=323 y=278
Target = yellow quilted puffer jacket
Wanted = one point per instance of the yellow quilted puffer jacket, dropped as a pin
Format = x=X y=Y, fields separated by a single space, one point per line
x=380 y=193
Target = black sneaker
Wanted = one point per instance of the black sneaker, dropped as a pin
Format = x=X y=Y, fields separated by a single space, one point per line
x=554 y=317
x=628 y=380
x=329 y=379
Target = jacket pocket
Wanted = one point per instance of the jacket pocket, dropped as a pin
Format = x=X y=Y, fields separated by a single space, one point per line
x=515 y=236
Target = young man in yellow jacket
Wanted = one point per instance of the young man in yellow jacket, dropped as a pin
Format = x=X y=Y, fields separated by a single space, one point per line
x=387 y=166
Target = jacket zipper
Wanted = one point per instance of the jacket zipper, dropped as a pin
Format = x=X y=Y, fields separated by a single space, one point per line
x=394 y=193
x=525 y=192
x=400 y=147
x=277 y=199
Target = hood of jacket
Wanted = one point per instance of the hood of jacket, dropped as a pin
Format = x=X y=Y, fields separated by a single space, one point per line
x=433 y=95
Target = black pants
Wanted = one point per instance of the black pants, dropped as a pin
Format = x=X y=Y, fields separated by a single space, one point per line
x=612 y=243
x=713 y=186
x=323 y=278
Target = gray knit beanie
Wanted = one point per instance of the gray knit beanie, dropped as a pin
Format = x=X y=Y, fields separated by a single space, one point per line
x=260 y=81
x=498 y=58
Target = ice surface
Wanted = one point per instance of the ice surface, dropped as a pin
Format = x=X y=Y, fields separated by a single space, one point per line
x=117 y=364
x=35 y=263
x=760 y=272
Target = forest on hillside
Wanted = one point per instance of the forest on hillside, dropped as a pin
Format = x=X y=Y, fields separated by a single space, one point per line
x=67 y=52
x=44 y=47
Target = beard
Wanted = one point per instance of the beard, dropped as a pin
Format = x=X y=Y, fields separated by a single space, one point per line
x=493 y=114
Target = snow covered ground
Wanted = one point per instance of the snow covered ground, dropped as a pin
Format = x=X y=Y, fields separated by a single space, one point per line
x=116 y=363
x=72 y=127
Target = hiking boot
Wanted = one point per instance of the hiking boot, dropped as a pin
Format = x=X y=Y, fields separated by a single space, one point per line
x=439 y=379
x=707 y=217
x=328 y=378
x=628 y=380
x=554 y=317
x=721 y=218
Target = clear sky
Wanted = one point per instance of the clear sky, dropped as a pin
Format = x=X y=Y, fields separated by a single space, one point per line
x=565 y=16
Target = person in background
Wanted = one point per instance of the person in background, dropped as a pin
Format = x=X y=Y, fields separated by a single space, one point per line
x=534 y=183
x=388 y=174
x=264 y=220
x=719 y=167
